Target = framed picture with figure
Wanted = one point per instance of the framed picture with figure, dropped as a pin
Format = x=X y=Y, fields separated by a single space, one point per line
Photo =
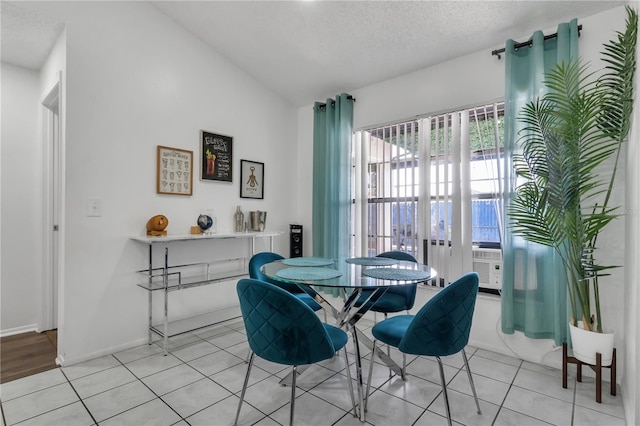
x=174 y=171
x=251 y=179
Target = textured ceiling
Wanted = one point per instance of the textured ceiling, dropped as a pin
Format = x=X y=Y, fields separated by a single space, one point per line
x=308 y=50
x=27 y=37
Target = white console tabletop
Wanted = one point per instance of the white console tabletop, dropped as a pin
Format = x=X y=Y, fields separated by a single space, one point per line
x=147 y=239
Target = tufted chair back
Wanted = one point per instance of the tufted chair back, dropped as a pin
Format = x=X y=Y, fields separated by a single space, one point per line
x=443 y=324
x=396 y=299
x=281 y=328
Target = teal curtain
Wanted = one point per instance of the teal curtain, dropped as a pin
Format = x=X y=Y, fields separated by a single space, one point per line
x=534 y=291
x=332 y=130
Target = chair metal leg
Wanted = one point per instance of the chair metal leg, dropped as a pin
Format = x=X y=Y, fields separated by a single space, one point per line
x=404 y=366
x=444 y=390
x=353 y=400
x=473 y=387
x=389 y=354
x=244 y=387
x=293 y=394
x=373 y=354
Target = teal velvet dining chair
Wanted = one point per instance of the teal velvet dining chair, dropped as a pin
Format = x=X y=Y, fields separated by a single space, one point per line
x=284 y=330
x=440 y=328
x=255 y=263
x=395 y=299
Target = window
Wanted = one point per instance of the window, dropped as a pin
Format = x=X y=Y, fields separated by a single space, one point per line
x=392 y=190
x=486 y=125
x=390 y=185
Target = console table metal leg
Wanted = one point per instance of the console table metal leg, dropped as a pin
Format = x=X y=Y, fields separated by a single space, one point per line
x=150 y=313
x=165 y=342
x=150 y=340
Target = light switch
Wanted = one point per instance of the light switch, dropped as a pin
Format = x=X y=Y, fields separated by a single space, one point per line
x=94 y=207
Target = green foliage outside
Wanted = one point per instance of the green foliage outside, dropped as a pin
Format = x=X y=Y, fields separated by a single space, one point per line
x=481 y=134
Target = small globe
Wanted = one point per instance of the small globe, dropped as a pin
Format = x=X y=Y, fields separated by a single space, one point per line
x=205 y=222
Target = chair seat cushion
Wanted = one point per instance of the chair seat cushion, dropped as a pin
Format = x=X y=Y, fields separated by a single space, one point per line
x=338 y=337
x=387 y=303
x=308 y=300
x=392 y=330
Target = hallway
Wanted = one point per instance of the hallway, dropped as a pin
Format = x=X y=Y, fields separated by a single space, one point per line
x=26 y=354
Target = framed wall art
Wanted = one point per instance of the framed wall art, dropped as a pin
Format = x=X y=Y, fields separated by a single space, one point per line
x=251 y=179
x=216 y=156
x=174 y=171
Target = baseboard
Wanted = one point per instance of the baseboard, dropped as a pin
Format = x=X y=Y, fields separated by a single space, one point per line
x=62 y=361
x=630 y=407
x=489 y=347
x=19 y=330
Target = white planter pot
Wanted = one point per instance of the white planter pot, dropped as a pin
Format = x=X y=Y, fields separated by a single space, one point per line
x=587 y=343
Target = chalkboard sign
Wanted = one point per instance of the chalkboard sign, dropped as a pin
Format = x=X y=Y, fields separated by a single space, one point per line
x=216 y=158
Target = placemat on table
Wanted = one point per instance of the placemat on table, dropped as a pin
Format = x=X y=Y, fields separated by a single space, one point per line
x=308 y=273
x=396 y=274
x=307 y=261
x=372 y=261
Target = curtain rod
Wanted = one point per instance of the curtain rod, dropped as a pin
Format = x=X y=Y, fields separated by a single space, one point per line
x=497 y=52
x=333 y=102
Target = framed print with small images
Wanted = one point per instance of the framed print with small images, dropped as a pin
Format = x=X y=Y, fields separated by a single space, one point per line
x=251 y=179
x=174 y=171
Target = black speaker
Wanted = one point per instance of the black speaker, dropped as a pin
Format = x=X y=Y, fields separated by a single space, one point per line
x=295 y=240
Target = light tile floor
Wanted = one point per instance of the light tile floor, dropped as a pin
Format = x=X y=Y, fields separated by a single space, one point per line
x=199 y=383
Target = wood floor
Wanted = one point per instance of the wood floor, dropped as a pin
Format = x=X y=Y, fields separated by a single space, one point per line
x=25 y=354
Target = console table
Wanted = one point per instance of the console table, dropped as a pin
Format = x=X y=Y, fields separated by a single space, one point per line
x=167 y=278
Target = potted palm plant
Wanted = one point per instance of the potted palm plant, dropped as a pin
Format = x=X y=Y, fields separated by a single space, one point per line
x=580 y=124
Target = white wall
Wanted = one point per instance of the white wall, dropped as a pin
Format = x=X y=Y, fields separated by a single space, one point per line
x=472 y=80
x=631 y=355
x=21 y=194
x=135 y=80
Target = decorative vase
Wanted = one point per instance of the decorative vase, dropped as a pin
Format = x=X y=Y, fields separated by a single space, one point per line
x=587 y=343
x=239 y=219
x=258 y=220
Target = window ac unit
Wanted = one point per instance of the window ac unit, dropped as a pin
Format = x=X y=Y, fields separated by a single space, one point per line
x=488 y=264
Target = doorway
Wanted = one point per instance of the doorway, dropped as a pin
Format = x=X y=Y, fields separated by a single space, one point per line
x=52 y=196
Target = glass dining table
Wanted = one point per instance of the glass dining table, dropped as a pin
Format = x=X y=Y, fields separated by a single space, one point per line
x=352 y=277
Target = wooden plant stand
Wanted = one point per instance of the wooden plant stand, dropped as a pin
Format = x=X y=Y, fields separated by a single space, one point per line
x=566 y=359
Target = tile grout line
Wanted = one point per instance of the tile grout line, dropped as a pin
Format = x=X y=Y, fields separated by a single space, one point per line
x=507 y=393
x=4 y=420
x=51 y=410
x=202 y=339
x=80 y=398
x=187 y=363
x=153 y=392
